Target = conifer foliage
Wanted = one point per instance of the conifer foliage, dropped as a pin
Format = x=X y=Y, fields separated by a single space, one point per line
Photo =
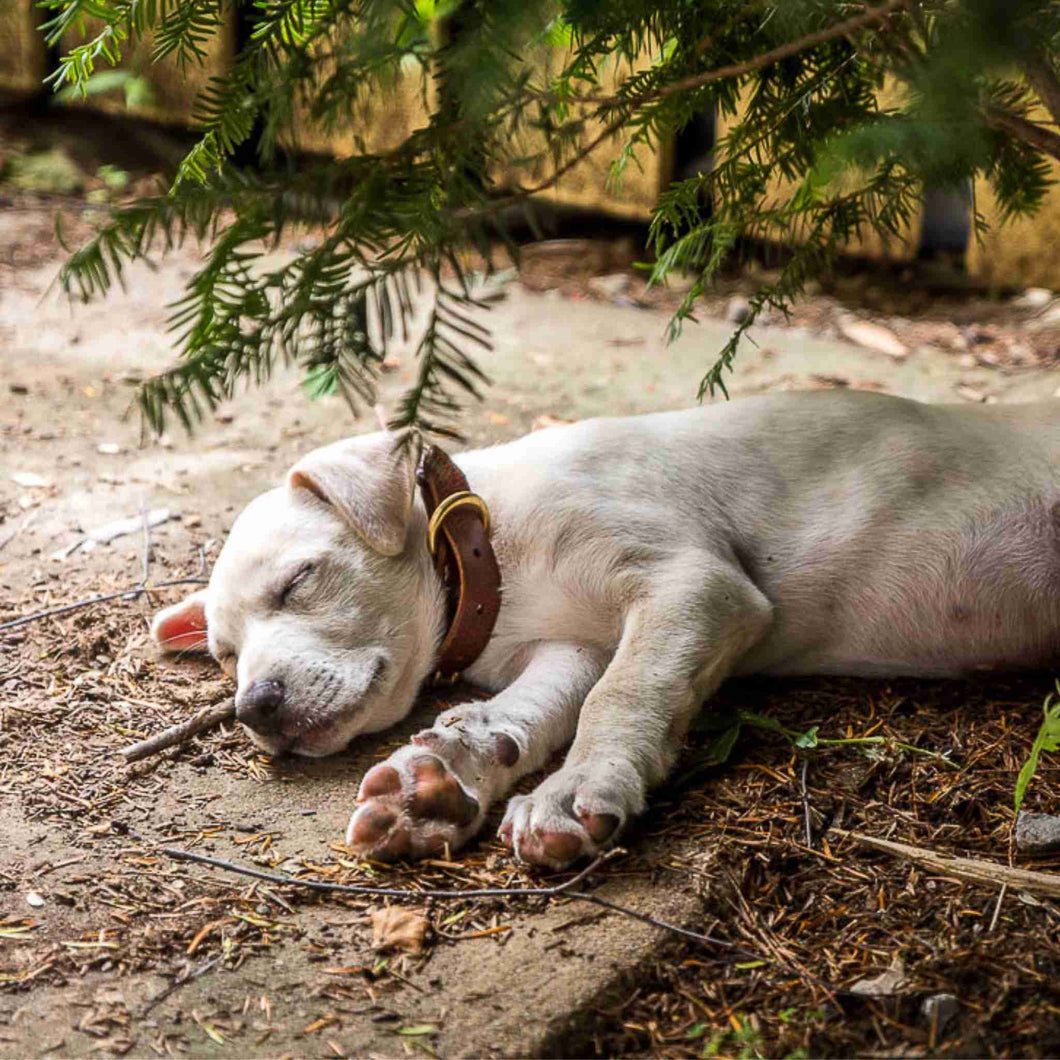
x=972 y=90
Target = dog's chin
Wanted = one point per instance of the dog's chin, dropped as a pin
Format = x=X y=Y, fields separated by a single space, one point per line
x=319 y=742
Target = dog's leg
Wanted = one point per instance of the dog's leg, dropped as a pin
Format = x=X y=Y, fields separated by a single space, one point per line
x=436 y=790
x=677 y=646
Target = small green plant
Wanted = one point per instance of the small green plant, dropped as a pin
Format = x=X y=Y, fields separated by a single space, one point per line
x=46 y=172
x=1048 y=739
x=728 y=726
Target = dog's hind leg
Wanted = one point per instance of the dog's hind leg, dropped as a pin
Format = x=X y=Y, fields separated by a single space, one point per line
x=678 y=644
x=436 y=790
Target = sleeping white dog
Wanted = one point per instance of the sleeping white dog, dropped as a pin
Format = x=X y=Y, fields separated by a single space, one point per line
x=640 y=562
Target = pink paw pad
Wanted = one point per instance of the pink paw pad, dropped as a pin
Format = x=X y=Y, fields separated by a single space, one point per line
x=372 y=830
x=380 y=780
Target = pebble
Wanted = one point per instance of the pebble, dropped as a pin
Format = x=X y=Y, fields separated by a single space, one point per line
x=611 y=286
x=1035 y=297
x=29 y=480
x=19 y=388
x=939 y=1009
x=1037 y=833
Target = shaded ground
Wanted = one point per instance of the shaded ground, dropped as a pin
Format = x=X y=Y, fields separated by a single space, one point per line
x=97 y=924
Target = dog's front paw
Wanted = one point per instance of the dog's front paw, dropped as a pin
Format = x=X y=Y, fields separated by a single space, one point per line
x=412 y=806
x=576 y=813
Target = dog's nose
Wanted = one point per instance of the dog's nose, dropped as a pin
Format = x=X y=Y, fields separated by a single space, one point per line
x=257 y=706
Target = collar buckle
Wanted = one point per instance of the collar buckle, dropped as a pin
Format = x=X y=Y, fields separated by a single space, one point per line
x=461 y=499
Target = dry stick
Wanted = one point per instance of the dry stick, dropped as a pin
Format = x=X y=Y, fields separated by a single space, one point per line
x=146 y=557
x=560 y=890
x=971 y=869
x=177 y=984
x=806 y=803
x=21 y=528
x=784 y=51
x=129 y=594
x=201 y=720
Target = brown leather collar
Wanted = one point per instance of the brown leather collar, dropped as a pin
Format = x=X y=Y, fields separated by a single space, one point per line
x=463 y=558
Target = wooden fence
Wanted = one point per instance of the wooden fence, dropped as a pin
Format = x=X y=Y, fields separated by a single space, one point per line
x=1025 y=252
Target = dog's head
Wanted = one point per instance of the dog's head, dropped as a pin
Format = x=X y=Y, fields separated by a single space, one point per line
x=320 y=604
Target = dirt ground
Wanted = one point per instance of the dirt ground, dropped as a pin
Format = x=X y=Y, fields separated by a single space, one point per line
x=109 y=945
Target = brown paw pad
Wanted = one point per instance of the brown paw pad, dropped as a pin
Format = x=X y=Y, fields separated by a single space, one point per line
x=380 y=780
x=551 y=847
x=438 y=794
x=600 y=826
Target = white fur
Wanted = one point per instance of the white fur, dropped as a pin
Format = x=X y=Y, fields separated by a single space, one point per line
x=644 y=560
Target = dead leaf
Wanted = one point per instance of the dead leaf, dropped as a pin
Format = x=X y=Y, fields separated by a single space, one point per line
x=885 y=984
x=30 y=480
x=873 y=337
x=547 y=420
x=394 y=928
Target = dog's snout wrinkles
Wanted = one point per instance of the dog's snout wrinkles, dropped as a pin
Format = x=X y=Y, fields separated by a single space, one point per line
x=258 y=705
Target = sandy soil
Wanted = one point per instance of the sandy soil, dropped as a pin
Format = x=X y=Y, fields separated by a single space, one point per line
x=107 y=944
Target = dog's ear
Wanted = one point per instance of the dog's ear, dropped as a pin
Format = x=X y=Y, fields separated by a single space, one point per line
x=182 y=627
x=369 y=481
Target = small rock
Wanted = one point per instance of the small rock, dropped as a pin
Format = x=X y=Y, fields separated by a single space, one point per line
x=34 y=900
x=939 y=1009
x=1035 y=298
x=30 y=480
x=108 y=448
x=1049 y=318
x=19 y=388
x=1037 y=833
x=737 y=309
x=610 y=287
x=224 y=417
x=873 y=337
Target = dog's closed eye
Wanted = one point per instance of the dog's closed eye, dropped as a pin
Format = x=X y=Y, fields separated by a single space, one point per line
x=294 y=581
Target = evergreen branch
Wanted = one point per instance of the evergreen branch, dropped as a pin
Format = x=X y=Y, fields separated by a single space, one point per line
x=737 y=71
x=1029 y=132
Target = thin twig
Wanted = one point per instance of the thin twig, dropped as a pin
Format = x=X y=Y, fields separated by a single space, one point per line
x=21 y=528
x=971 y=869
x=560 y=890
x=146 y=567
x=997 y=908
x=177 y=984
x=806 y=803
x=129 y=594
x=201 y=720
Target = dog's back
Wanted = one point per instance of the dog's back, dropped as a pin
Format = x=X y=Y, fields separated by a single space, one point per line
x=890 y=536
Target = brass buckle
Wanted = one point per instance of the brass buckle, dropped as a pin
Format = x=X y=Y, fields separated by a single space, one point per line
x=462 y=499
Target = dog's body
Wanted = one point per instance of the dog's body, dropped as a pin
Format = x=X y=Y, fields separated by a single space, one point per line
x=643 y=560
